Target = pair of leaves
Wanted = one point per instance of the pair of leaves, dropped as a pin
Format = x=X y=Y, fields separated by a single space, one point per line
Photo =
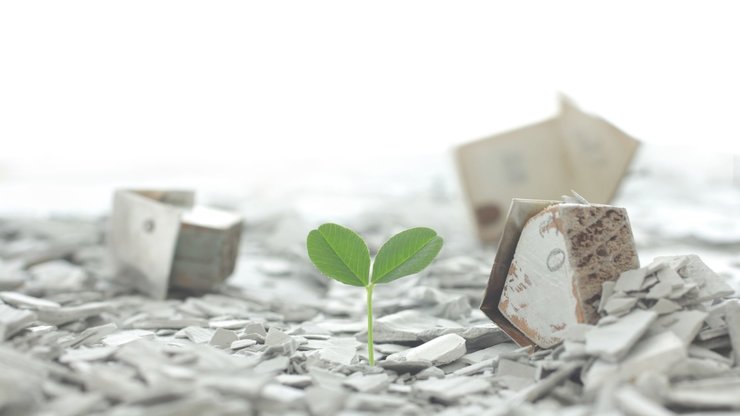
x=342 y=255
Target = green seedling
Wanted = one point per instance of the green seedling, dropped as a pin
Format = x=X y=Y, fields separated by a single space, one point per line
x=339 y=253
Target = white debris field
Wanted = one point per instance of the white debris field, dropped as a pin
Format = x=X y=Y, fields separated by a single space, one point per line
x=277 y=338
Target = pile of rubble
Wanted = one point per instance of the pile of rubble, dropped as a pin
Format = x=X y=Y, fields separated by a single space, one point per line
x=74 y=342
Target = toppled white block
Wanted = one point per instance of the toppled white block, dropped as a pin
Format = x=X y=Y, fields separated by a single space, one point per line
x=441 y=350
x=562 y=257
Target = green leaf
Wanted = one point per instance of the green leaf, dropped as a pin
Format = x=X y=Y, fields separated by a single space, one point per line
x=406 y=253
x=339 y=253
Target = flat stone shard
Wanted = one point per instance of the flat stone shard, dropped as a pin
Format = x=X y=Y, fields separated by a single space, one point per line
x=563 y=256
x=612 y=342
x=439 y=351
x=449 y=390
x=13 y=320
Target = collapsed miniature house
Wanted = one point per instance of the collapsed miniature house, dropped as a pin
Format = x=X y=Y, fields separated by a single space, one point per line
x=550 y=265
x=574 y=150
x=162 y=241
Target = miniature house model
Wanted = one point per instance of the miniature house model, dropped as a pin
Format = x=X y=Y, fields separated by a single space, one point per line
x=161 y=240
x=550 y=266
x=573 y=150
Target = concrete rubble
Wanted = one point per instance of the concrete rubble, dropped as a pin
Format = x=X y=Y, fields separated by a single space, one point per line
x=277 y=340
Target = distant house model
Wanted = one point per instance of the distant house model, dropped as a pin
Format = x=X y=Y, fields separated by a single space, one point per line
x=573 y=150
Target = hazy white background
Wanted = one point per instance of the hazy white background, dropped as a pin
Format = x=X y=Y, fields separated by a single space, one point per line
x=125 y=92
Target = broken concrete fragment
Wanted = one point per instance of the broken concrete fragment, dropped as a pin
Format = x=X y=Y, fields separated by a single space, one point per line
x=66 y=314
x=563 y=255
x=511 y=368
x=715 y=393
x=431 y=372
x=669 y=276
x=618 y=305
x=341 y=350
x=294 y=380
x=660 y=290
x=13 y=320
x=449 y=390
x=732 y=317
x=489 y=353
x=242 y=343
x=612 y=342
x=280 y=342
x=406 y=326
x=607 y=289
x=372 y=383
x=20 y=300
x=657 y=353
x=272 y=365
x=665 y=306
x=697 y=368
x=124 y=337
x=403 y=367
x=223 y=338
x=323 y=401
x=630 y=280
x=632 y=402
x=685 y=324
x=167 y=323
x=441 y=350
x=326 y=379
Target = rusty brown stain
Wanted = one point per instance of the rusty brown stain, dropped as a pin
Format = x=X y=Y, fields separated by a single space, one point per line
x=553 y=223
x=557 y=327
x=488 y=214
x=580 y=315
x=512 y=269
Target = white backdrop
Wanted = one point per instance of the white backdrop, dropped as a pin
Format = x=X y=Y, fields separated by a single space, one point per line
x=97 y=86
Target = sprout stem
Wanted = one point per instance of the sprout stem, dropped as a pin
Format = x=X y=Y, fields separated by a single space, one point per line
x=370 y=347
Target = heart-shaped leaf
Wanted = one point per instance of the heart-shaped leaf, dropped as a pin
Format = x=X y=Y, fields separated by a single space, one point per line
x=339 y=253
x=406 y=253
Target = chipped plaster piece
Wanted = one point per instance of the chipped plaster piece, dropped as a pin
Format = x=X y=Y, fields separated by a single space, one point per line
x=657 y=353
x=618 y=305
x=632 y=402
x=607 y=290
x=732 y=318
x=685 y=324
x=631 y=280
x=449 y=390
x=612 y=342
x=665 y=306
x=13 y=320
x=439 y=351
